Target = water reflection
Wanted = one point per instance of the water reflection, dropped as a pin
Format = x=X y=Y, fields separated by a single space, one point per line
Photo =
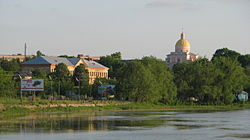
x=41 y=123
x=129 y=125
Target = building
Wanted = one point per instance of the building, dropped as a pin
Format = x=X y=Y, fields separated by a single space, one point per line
x=48 y=64
x=20 y=57
x=182 y=52
x=95 y=58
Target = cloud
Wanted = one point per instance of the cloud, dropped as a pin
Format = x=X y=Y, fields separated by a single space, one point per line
x=169 y=3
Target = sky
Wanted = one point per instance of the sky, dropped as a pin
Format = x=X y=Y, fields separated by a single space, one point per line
x=136 y=28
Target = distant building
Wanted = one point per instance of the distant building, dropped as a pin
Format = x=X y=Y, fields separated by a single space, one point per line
x=15 y=56
x=182 y=52
x=96 y=58
x=48 y=64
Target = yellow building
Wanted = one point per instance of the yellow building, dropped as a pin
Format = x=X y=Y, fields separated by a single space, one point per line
x=48 y=64
x=182 y=52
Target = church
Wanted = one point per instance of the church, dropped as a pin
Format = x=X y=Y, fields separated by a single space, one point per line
x=182 y=52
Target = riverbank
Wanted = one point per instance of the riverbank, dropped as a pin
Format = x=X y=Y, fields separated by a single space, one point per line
x=14 y=108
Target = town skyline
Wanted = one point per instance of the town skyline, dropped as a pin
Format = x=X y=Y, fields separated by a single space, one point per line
x=134 y=28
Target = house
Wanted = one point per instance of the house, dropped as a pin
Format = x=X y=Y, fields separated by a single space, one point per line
x=48 y=64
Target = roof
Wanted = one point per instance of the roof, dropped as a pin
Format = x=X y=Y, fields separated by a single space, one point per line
x=48 y=60
x=23 y=74
x=68 y=61
x=93 y=64
x=74 y=61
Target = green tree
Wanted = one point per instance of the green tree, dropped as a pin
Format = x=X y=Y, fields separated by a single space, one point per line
x=38 y=73
x=244 y=60
x=62 y=72
x=247 y=72
x=138 y=83
x=233 y=78
x=13 y=65
x=209 y=81
x=81 y=77
x=114 y=63
x=225 y=52
x=165 y=85
x=39 y=53
x=8 y=87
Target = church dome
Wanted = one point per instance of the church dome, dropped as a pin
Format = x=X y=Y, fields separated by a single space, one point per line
x=182 y=45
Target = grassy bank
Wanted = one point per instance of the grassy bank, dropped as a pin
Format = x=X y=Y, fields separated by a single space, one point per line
x=14 y=107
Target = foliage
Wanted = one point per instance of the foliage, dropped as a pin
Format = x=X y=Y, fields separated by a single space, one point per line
x=66 y=56
x=61 y=72
x=8 y=87
x=37 y=73
x=39 y=53
x=247 y=72
x=138 y=83
x=114 y=63
x=207 y=81
x=81 y=74
x=164 y=78
x=225 y=52
x=244 y=60
x=81 y=78
x=233 y=78
x=13 y=65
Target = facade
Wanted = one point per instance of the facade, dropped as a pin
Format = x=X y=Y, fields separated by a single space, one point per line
x=48 y=64
x=15 y=56
x=182 y=52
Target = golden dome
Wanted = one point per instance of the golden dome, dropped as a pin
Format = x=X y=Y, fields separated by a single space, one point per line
x=182 y=45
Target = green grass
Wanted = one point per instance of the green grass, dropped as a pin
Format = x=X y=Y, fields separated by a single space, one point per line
x=14 y=107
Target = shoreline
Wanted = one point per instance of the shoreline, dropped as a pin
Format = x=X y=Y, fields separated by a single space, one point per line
x=18 y=110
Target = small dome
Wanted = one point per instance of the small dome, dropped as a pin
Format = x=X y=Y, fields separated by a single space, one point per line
x=182 y=45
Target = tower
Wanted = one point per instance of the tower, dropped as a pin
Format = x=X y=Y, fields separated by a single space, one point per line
x=182 y=52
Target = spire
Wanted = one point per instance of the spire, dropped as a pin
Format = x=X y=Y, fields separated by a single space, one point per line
x=182 y=35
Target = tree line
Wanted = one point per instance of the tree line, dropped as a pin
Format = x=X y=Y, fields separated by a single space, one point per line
x=149 y=79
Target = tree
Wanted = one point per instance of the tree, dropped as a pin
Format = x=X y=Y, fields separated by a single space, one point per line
x=244 y=60
x=38 y=73
x=215 y=81
x=61 y=72
x=114 y=63
x=39 y=53
x=13 y=65
x=233 y=78
x=117 y=55
x=7 y=85
x=165 y=85
x=247 y=72
x=225 y=52
x=138 y=83
x=81 y=76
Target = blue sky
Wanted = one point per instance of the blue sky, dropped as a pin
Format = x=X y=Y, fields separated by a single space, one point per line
x=136 y=28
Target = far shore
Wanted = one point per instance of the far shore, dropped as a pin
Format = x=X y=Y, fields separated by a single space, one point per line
x=14 y=108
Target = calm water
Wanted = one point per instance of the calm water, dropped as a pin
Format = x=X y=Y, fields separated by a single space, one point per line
x=129 y=126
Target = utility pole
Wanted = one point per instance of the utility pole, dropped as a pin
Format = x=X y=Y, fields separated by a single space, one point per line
x=21 y=94
x=59 y=87
x=78 y=80
x=51 y=87
x=25 y=49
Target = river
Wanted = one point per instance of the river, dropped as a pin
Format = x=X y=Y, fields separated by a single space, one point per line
x=162 y=125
